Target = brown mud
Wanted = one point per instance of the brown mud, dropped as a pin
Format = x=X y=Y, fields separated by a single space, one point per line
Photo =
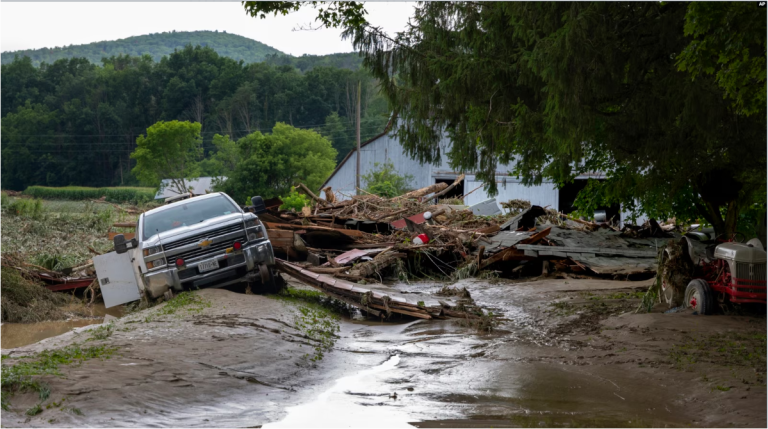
x=566 y=353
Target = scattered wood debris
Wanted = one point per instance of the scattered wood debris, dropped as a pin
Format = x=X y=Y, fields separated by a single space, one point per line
x=366 y=235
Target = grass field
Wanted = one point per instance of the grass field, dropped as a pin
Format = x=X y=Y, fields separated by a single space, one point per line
x=127 y=194
x=41 y=230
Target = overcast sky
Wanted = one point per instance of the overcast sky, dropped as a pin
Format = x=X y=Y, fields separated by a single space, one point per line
x=38 y=25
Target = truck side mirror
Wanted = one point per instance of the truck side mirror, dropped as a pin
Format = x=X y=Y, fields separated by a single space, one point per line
x=258 y=205
x=122 y=246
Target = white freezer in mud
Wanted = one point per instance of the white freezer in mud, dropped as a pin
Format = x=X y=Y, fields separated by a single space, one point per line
x=118 y=278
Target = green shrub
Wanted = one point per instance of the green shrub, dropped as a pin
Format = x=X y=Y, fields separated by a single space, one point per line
x=26 y=207
x=295 y=201
x=384 y=181
x=132 y=195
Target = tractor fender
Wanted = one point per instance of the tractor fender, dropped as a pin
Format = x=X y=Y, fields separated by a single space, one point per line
x=696 y=250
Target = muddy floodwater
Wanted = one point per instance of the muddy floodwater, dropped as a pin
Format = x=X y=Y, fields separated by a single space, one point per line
x=21 y=334
x=566 y=353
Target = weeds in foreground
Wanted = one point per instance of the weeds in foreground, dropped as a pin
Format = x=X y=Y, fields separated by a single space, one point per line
x=55 y=261
x=562 y=308
x=24 y=207
x=73 y=410
x=21 y=376
x=102 y=332
x=319 y=325
x=25 y=300
x=316 y=316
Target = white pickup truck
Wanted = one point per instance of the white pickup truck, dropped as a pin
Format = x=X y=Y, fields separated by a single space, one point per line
x=198 y=242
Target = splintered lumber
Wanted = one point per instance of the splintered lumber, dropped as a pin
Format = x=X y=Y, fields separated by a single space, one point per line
x=349 y=232
x=449 y=188
x=423 y=191
x=351 y=293
x=312 y=195
x=512 y=253
x=382 y=260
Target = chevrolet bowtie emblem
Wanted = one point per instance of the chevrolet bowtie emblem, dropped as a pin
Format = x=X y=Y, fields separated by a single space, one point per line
x=205 y=243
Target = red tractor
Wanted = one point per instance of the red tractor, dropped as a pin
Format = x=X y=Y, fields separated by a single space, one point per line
x=717 y=271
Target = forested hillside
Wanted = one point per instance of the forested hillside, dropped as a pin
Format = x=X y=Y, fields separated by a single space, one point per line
x=349 y=60
x=73 y=122
x=155 y=45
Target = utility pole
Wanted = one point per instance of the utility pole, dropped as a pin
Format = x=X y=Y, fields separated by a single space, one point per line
x=357 y=132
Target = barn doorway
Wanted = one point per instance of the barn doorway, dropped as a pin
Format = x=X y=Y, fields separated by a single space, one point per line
x=567 y=196
x=456 y=192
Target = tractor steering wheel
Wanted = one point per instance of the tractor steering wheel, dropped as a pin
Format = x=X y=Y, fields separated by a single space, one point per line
x=736 y=237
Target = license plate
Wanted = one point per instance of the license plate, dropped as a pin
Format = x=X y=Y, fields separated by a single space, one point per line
x=208 y=265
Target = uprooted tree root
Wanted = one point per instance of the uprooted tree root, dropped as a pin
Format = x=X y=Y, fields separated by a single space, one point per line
x=25 y=300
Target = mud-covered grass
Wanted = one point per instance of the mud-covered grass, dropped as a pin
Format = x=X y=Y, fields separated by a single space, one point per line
x=316 y=315
x=59 y=235
x=182 y=304
x=26 y=300
x=319 y=325
x=733 y=349
x=23 y=374
x=313 y=299
x=585 y=315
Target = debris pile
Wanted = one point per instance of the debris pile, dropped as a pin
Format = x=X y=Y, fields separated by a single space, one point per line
x=370 y=237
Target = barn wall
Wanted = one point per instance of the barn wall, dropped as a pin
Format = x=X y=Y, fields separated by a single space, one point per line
x=380 y=150
x=388 y=148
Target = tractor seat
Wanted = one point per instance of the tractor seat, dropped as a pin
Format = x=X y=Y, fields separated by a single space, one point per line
x=711 y=252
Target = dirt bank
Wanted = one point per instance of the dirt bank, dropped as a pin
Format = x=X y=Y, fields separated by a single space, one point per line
x=568 y=353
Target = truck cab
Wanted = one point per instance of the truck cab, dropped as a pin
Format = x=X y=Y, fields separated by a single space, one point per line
x=197 y=242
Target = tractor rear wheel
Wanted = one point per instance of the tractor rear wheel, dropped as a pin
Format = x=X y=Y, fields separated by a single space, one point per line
x=699 y=297
x=668 y=292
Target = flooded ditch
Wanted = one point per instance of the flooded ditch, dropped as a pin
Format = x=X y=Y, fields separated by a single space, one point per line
x=21 y=334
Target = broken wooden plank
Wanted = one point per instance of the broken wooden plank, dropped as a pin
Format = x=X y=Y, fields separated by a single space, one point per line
x=448 y=189
x=313 y=196
x=127 y=235
x=596 y=250
x=437 y=187
x=284 y=226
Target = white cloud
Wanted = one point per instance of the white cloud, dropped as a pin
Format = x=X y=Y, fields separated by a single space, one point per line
x=38 y=25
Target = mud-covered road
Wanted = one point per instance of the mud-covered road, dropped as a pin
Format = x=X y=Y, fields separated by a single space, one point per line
x=567 y=353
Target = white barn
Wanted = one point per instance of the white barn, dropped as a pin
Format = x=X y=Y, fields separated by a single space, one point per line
x=384 y=147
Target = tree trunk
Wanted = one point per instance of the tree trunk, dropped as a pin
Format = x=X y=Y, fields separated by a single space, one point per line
x=731 y=218
x=725 y=227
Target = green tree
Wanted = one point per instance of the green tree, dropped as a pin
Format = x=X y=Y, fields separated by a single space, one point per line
x=564 y=88
x=729 y=42
x=339 y=135
x=170 y=151
x=384 y=181
x=269 y=164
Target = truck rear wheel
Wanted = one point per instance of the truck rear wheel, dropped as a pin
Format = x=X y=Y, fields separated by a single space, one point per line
x=698 y=296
